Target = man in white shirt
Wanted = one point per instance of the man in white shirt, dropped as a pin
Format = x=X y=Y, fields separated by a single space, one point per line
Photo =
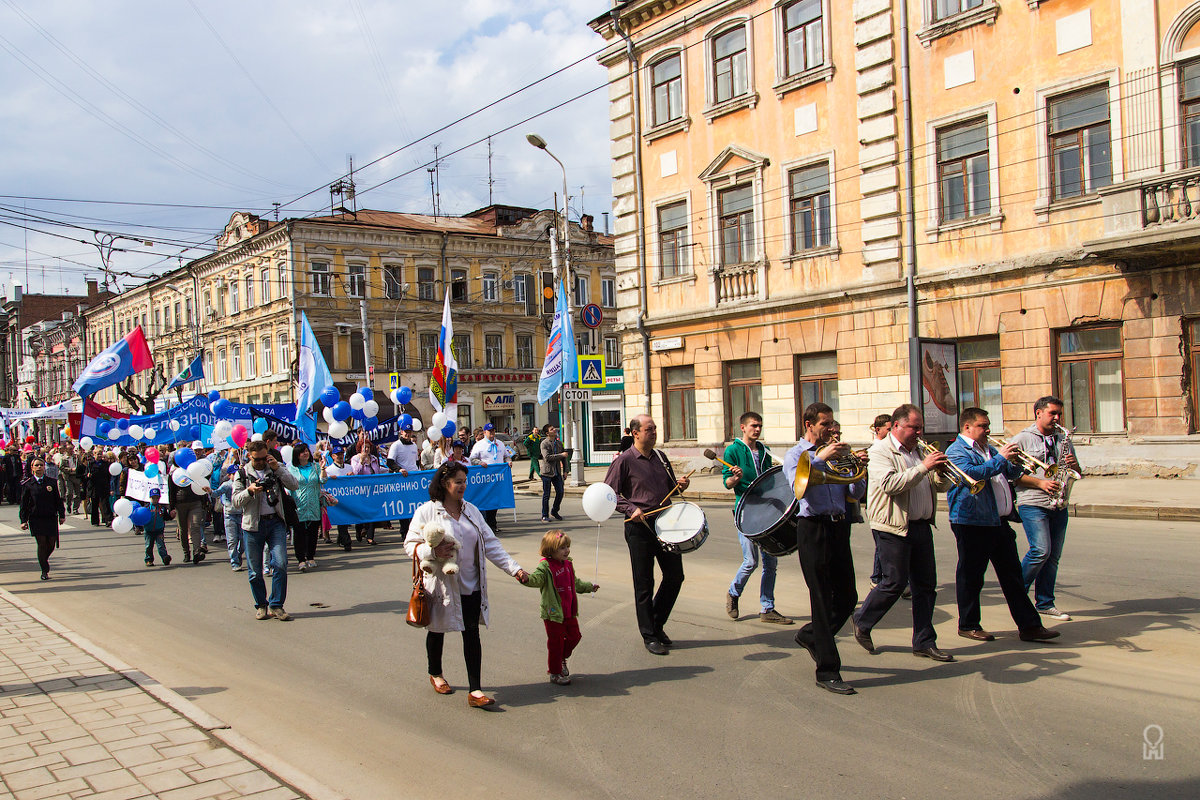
x=402 y=458
x=488 y=451
x=335 y=466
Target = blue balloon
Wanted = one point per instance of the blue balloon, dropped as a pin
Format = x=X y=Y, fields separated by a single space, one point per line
x=152 y=470
x=185 y=457
x=358 y=414
x=103 y=427
x=194 y=432
x=405 y=395
x=370 y=424
x=342 y=411
x=366 y=393
x=449 y=429
x=214 y=396
x=140 y=515
x=232 y=468
x=260 y=425
x=330 y=396
x=223 y=408
x=123 y=424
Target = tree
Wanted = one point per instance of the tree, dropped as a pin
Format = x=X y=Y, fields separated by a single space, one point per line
x=144 y=403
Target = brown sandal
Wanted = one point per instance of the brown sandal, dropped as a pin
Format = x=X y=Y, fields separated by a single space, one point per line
x=445 y=688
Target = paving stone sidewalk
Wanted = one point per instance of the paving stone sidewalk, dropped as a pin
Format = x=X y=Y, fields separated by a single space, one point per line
x=76 y=723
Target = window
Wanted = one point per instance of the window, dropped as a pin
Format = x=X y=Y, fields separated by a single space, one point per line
x=1189 y=112
x=249 y=291
x=283 y=287
x=680 y=385
x=265 y=283
x=1090 y=379
x=804 y=41
x=612 y=351
x=178 y=365
x=188 y=318
x=251 y=360
x=285 y=363
x=524 y=352
x=743 y=384
x=1194 y=358
x=1080 y=147
x=462 y=350
x=235 y=373
x=979 y=378
x=394 y=342
x=583 y=294
x=606 y=430
x=491 y=288
x=266 y=356
x=730 y=71
x=736 y=210
x=493 y=351
x=357 y=280
x=358 y=359
x=222 y=369
x=810 y=208
x=964 y=188
x=208 y=365
x=393 y=285
x=666 y=89
x=425 y=283
x=608 y=293
x=233 y=297
x=816 y=382
x=673 y=239
x=209 y=311
x=158 y=330
x=519 y=293
x=948 y=8
x=320 y=278
x=178 y=323
x=458 y=286
x=428 y=352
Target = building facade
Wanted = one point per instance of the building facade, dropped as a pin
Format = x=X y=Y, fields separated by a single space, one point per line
x=804 y=190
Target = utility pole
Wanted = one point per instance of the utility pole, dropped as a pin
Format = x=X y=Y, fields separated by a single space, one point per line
x=491 y=180
x=366 y=339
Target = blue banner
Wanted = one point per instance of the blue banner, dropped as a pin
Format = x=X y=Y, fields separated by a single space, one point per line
x=386 y=432
x=190 y=414
x=374 y=498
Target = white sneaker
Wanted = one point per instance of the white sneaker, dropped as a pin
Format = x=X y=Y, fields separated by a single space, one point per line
x=312 y=564
x=1054 y=613
x=304 y=566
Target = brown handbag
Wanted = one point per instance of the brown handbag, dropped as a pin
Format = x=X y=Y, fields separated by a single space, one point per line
x=420 y=605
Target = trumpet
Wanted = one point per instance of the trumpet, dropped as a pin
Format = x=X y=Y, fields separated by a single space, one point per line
x=852 y=465
x=1029 y=463
x=949 y=470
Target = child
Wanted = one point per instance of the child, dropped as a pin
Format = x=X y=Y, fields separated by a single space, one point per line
x=153 y=530
x=555 y=576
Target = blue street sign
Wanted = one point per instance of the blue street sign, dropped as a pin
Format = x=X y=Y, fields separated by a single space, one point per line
x=592 y=316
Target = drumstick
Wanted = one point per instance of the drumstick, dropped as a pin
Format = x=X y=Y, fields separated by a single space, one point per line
x=673 y=491
x=712 y=454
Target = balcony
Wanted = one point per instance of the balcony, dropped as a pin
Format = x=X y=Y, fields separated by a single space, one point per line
x=739 y=283
x=1151 y=221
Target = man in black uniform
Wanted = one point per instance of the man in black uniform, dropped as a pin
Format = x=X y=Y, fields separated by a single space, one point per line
x=42 y=511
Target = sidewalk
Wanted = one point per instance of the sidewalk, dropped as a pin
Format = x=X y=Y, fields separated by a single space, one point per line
x=76 y=723
x=1124 y=498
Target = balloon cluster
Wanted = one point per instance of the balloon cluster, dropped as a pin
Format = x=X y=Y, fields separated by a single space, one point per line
x=402 y=397
x=191 y=471
x=338 y=412
x=440 y=425
x=122 y=427
x=129 y=513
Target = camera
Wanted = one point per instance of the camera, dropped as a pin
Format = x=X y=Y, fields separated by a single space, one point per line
x=270 y=486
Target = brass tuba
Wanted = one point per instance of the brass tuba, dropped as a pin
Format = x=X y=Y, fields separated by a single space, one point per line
x=844 y=472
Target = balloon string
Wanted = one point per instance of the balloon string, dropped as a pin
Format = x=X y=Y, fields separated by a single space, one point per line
x=596 y=573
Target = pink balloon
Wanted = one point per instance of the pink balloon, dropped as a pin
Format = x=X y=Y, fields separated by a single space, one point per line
x=239 y=435
x=152 y=455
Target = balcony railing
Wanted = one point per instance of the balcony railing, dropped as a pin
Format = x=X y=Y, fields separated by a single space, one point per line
x=740 y=283
x=1151 y=220
x=1173 y=200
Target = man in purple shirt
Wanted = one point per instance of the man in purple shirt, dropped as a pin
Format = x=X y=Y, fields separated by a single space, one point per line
x=642 y=478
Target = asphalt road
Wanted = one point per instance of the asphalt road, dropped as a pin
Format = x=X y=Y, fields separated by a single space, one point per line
x=341 y=692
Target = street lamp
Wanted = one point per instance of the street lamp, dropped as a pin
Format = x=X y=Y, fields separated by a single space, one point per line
x=577 y=478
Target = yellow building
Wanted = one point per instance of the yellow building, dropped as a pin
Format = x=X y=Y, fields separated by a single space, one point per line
x=807 y=190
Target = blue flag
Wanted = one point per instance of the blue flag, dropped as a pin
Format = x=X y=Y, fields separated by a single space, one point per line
x=314 y=377
x=123 y=358
x=561 y=365
x=192 y=372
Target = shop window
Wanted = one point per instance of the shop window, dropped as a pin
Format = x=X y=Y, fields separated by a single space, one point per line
x=1090 y=379
x=606 y=431
x=979 y=378
x=680 y=385
x=743 y=392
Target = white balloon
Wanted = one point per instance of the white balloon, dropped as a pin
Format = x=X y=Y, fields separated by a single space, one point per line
x=439 y=420
x=328 y=415
x=206 y=464
x=434 y=434
x=123 y=507
x=86 y=443
x=180 y=477
x=174 y=425
x=370 y=408
x=256 y=437
x=285 y=453
x=150 y=434
x=122 y=524
x=58 y=459
x=224 y=427
x=114 y=468
x=417 y=424
x=338 y=429
x=396 y=397
x=599 y=501
x=136 y=431
x=114 y=434
x=198 y=487
x=356 y=401
x=195 y=470
x=425 y=445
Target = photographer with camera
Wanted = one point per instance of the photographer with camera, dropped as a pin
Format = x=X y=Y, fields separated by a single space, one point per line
x=256 y=490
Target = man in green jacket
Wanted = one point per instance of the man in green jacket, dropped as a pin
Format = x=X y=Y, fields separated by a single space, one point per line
x=750 y=459
x=533 y=446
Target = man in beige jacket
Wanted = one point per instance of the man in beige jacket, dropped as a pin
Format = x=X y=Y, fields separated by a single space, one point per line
x=902 y=492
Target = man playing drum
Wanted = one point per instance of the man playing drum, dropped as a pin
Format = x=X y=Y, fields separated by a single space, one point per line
x=642 y=479
x=824 y=536
x=745 y=460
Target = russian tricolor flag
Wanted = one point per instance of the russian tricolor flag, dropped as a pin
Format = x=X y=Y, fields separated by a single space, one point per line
x=123 y=358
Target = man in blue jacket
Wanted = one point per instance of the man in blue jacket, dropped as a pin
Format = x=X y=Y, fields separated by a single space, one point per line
x=981 y=528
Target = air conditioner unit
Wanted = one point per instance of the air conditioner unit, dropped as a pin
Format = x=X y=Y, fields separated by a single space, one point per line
x=508 y=285
x=343 y=328
x=220 y=284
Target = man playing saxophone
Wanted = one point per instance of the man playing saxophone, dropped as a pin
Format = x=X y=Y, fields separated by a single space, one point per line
x=1040 y=502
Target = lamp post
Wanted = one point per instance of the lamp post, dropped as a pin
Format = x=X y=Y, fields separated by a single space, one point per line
x=577 y=478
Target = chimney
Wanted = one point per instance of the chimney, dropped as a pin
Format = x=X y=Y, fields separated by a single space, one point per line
x=93 y=288
x=586 y=221
x=18 y=292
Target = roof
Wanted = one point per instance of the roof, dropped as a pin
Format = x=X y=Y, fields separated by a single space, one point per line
x=412 y=222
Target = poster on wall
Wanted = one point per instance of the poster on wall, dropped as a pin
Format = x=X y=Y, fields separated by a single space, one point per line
x=939 y=385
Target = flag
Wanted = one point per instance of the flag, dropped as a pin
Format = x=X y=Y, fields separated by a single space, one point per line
x=314 y=377
x=443 y=384
x=560 y=366
x=125 y=357
x=192 y=372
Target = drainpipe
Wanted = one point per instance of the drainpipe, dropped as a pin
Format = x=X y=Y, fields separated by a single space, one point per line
x=910 y=217
x=290 y=283
x=639 y=202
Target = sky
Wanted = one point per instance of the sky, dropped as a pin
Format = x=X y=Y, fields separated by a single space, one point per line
x=154 y=121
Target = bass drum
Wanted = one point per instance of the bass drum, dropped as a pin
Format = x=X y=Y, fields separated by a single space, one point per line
x=765 y=514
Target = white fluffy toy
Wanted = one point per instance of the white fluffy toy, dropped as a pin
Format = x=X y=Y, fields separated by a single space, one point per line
x=435 y=533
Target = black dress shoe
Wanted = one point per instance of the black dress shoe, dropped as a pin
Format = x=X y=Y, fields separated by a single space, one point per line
x=979 y=636
x=934 y=653
x=656 y=647
x=811 y=647
x=864 y=639
x=662 y=637
x=837 y=686
x=1039 y=634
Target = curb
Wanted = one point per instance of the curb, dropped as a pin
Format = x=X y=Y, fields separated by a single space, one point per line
x=288 y=775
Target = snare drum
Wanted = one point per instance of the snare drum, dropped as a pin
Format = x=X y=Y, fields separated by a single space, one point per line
x=681 y=528
x=764 y=515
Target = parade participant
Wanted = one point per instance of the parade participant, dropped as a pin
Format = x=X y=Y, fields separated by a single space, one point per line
x=69 y=485
x=190 y=510
x=981 y=529
x=41 y=512
x=459 y=601
x=231 y=515
x=334 y=465
x=257 y=491
x=307 y=495
x=153 y=530
x=402 y=458
x=488 y=451
x=749 y=459
x=458 y=452
x=554 y=460
x=555 y=576
x=366 y=462
x=533 y=446
x=642 y=478
x=902 y=506
x=1043 y=514
x=100 y=491
x=823 y=535
x=14 y=471
x=880 y=428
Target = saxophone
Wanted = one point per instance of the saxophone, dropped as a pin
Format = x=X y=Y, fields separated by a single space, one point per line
x=1065 y=476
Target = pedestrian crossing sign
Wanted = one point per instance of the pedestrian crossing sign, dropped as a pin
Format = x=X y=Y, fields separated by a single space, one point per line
x=591 y=372
x=393 y=381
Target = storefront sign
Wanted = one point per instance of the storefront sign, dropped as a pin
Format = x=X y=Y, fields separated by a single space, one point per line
x=499 y=402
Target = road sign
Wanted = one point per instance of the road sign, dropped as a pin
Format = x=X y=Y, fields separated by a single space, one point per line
x=591 y=315
x=591 y=372
x=577 y=395
x=393 y=381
